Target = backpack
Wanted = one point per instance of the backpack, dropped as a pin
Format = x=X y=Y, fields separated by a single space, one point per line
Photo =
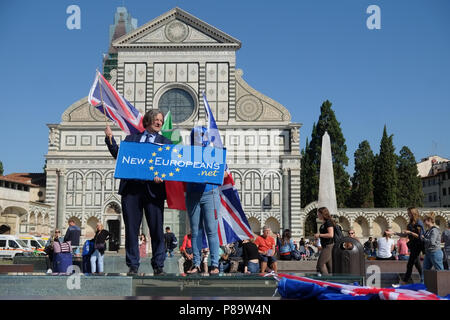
x=174 y=243
x=337 y=233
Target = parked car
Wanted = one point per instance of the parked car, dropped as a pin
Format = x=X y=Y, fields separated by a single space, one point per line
x=33 y=242
x=10 y=246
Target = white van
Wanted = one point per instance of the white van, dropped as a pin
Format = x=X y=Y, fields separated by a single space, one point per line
x=33 y=242
x=10 y=246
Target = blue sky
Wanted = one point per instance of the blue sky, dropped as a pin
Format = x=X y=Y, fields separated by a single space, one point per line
x=299 y=53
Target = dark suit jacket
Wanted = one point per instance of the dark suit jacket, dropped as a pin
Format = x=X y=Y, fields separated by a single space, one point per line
x=156 y=191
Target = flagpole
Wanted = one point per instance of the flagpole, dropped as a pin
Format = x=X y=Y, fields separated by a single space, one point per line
x=103 y=104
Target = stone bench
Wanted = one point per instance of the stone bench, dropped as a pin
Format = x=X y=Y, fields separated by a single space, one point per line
x=437 y=282
x=7 y=268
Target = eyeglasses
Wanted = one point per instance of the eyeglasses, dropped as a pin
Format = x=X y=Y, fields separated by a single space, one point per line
x=57 y=231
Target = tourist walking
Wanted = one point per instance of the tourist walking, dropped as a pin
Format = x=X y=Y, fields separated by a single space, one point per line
x=326 y=234
x=432 y=244
x=414 y=232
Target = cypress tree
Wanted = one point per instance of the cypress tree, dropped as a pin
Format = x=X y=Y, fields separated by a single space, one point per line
x=1 y=168
x=385 y=174
x=327 y=122
x=409 y=183
x=362 y=180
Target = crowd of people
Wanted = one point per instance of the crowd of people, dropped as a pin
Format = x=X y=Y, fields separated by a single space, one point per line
x=420 y=237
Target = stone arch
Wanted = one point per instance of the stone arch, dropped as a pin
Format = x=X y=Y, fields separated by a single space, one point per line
x=46 y=229
x=32 y=222
x=399 y=223
x=344 y=222
x=11 y=216
x=379 y=225
x=361 y=227
x=39 y=223
x=441 y=222
x=76 y=219
x=255 y=225
x=311 y=206
x=91 y=226
x=112 y=207
x=273 y=223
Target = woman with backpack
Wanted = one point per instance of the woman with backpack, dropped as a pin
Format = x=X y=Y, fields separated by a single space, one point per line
x=432 y=243
x=326 y=235
x=286 y=245
x=101 y=235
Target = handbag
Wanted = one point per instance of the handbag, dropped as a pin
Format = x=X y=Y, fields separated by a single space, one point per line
x=65 y=247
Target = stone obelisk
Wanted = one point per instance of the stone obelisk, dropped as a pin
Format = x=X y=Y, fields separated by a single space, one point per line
x=327 y=192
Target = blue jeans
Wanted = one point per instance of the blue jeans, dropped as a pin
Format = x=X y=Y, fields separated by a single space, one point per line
x=203 y=210
x=403 y=257
x=253 y=267
x=96 y=257
x=433 y=259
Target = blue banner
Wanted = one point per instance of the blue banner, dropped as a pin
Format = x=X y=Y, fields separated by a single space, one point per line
x=145 y=161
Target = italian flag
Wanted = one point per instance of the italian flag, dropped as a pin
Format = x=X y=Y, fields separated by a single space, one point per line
x=175 y=190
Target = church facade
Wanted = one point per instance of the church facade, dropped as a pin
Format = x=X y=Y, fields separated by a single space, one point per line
x=166 y=64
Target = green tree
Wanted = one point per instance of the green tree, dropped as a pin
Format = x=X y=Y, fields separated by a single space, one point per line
x=1 y=168
x=312 y=153
x=409 y=183
x=362 y=180
x=385 y=174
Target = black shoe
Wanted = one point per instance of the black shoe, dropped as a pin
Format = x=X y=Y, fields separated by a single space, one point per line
x=159 y=272
x=133 y=271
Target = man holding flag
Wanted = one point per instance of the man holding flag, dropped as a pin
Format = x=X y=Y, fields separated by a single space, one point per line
x=137 y=195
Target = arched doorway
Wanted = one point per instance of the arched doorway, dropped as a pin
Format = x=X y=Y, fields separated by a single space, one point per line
x=14 y=218
x=91 y=226
x=273 y=224
x=399 y=224
x=361 y=227
x=379 y=226
x=441 y=223
x=345 y=224
x=255 y=225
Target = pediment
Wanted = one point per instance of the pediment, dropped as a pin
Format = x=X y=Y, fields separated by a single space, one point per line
x=82 y=111
x=176 y=28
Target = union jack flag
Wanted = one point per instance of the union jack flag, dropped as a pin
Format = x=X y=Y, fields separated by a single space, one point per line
x=233 y=224
x=105 y=98
x=295 y=287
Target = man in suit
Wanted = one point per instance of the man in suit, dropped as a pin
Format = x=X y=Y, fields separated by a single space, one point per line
x=147 y=196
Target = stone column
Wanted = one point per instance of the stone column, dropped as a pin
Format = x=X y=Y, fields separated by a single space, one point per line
x=60 y=202
x=285 y=206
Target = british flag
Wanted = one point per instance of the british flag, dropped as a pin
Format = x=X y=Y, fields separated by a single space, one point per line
x=233 y=224
x=295 y=287
x=105 y=98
